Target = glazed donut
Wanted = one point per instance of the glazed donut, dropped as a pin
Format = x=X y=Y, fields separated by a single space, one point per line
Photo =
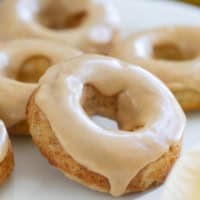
x=127 y=160
x=22 y=62
x=6 y=155
x=172 y=54
x=90 y=25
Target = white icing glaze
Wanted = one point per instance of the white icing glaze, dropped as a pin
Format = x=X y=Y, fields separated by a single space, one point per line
x=178 y=75
x=3 y=141
x=18 y=19
x=15 y=94
x=116 y=154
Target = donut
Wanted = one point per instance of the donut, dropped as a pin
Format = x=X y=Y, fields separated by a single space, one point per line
x=183 y=182
x=172 y=54
x=6 y=154
x=22 y=62
x=90 y=25
x=131 y=159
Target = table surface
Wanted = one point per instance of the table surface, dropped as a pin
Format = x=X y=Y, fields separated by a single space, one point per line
x=34 y=178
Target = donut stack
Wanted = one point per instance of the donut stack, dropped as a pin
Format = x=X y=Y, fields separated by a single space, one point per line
x=53 y=80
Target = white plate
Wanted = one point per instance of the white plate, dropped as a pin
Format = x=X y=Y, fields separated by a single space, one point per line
x=34 y=178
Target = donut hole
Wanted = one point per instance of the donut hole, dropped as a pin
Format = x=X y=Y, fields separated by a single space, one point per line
x=33 y=68
x=105 y=122
x=110 y=112
x=171 y=51
x=56 y=16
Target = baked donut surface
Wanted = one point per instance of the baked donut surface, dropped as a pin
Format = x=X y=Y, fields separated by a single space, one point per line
x=22 y=62
x=6 y=155
x=172 y=54
x=131 y=159
x=90 y=25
